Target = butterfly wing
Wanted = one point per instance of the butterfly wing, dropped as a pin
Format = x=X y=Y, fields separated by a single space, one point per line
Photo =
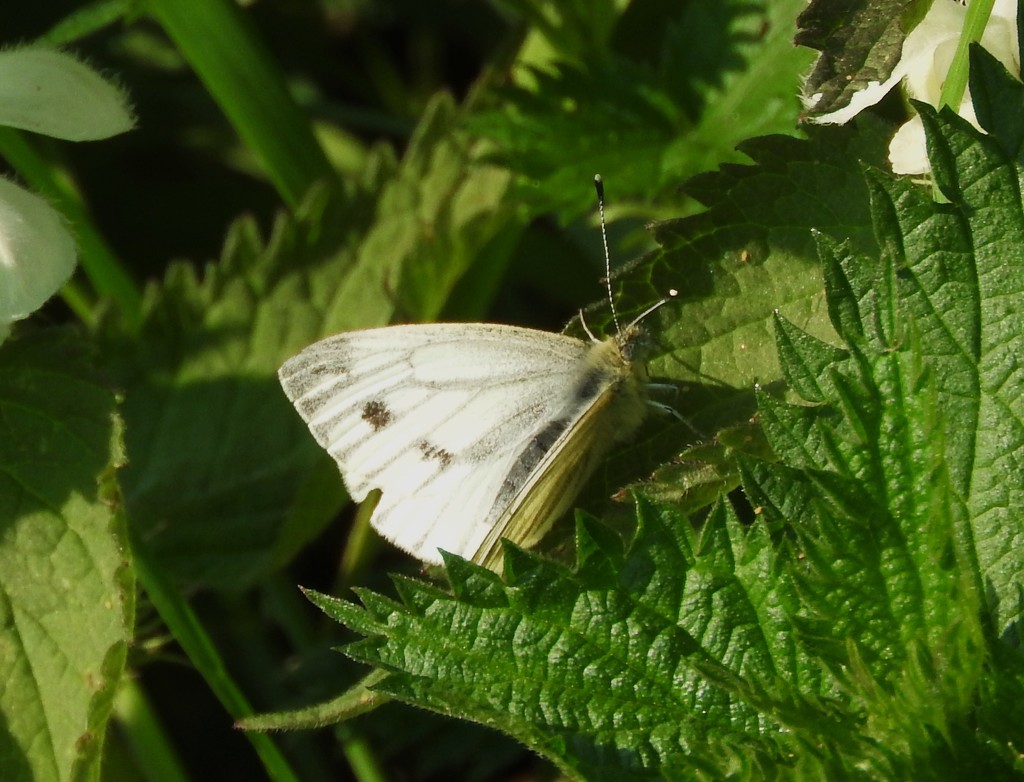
x=436 y=416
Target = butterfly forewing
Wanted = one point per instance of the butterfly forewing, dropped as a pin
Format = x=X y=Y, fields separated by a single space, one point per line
x=438 y=417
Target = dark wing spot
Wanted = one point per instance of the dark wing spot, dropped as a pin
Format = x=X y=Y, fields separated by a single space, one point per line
x=431 y=451
x=377 y=415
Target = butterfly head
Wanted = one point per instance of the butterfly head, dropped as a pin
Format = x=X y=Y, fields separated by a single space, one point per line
x=633 y=343
x=633 y=340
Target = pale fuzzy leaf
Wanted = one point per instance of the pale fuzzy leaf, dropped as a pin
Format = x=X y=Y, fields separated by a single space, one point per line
x=37 y=252
x=50 y=92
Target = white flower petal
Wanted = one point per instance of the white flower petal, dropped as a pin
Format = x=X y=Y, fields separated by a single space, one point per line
x=928 y=73
x=1000 y=38
x=1005 y=9
x=907 y=151
x=37 y=252
x=50 y=92
x=859 y=101
x=927 y=54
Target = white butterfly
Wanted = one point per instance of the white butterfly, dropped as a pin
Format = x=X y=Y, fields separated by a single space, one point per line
x=472 y=431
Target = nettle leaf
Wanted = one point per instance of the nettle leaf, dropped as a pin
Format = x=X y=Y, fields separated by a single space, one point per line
x=750 y=254
x=224 y=482
x=911 y=575
x=576 y=29
x=547 y=656
x=696 y=476
x=865 y=624
x=995 y=94
x=860 y=43
x=647 y=113
x=66 y=584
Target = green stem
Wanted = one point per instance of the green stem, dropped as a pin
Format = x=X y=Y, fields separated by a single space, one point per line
x=360 y=756
x=177 y=614
x=79 y=302
x=87 y=20
x=978 y=12
x=145 y=736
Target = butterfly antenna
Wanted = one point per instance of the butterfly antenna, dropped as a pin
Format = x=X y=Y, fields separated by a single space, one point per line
x=672 y=293
x=599 y=186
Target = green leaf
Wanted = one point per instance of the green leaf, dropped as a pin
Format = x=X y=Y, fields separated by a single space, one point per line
x=916 y=494
x=86 y=20
x=696 y=476
x=987 y=431
x=805 y=360
x=220 y=482
x=66 y=583
x=751 y=254
x=50 y=92
x=995 y=94
x=549 y=664
x=865 y=624
x=860 y=43
x=575 y=29
x=646 y=113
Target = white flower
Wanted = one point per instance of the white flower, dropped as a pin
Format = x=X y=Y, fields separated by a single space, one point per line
x=927 y=54
x=46 y=91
